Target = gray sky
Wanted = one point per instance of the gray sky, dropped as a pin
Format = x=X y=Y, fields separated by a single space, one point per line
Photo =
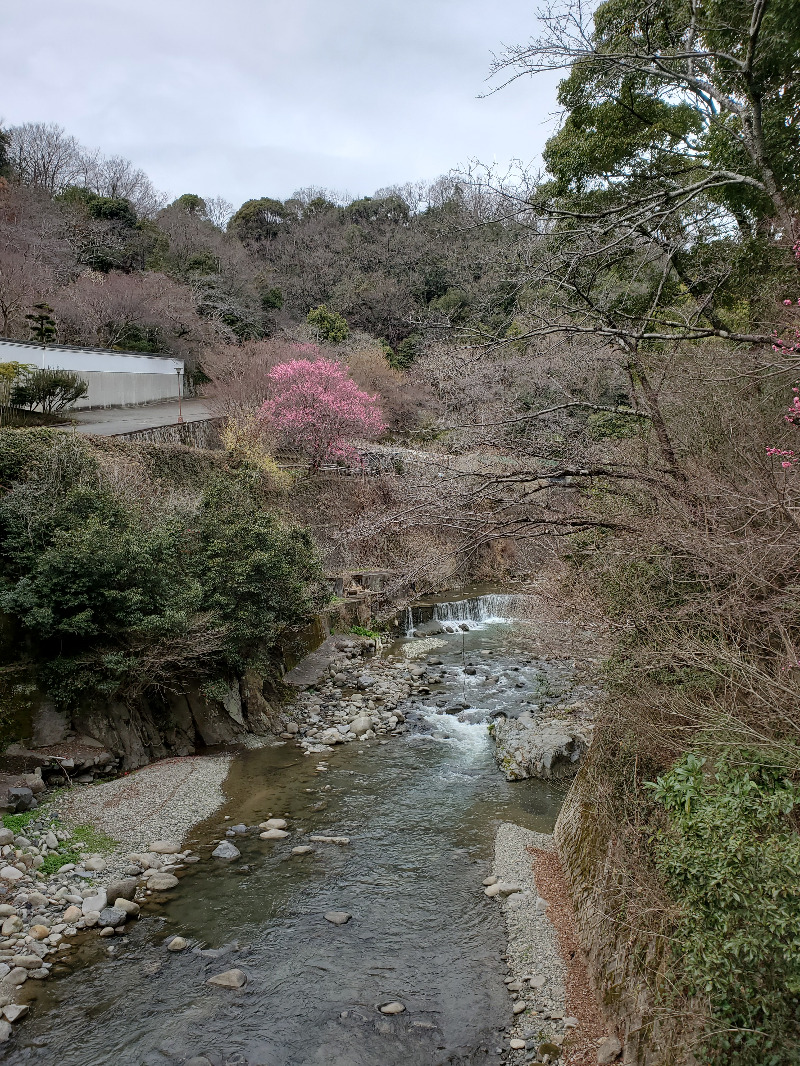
x=250 y=98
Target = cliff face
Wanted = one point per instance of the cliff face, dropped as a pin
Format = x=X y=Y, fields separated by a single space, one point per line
x=623 y=928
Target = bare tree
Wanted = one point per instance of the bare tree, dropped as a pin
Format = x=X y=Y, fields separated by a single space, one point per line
x=44 y=155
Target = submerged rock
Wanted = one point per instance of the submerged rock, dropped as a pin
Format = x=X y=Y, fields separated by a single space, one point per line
x=226 y=850
x=338 y=917
x=229 y=979
x=392 y=1008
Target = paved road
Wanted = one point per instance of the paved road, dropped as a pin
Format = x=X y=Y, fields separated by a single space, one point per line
x=107 y=421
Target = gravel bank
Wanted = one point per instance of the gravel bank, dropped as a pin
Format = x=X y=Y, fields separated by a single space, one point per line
x=162 y=801
x=536 y=970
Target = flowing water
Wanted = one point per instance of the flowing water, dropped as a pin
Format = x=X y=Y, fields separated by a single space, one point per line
x=421 y=813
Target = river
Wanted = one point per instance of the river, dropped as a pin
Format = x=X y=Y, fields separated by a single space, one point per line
x=421 y=812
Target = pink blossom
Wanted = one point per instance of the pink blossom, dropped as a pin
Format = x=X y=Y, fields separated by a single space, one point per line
x=317 y=408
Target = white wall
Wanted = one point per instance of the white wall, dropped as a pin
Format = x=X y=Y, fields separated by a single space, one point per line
x=114 y=378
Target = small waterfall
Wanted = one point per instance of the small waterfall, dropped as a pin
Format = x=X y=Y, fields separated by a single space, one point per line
x=408 y=624
x=495 y=607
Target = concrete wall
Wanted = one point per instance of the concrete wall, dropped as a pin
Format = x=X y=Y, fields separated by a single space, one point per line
x=115 y=390
x=204 y=433
x=115 y=379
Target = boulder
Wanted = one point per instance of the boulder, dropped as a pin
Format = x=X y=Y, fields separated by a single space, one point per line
x=11 y=925
x=95 y=864
x=21 y=799
x=6 y=837
x=113 y=917
x=164 y=847
x=392 y=1008
x=273 y=834
x=160 y=882
x=96 y=902
x=123 y=889
x=14 y=1011
x=273 y=823
x=361 y=725
x=338 y=917
x=71 y=914
x=178 y=943
x=228 y=979
x=11 y=873
x=5 y=1031
x=128 y=906
x=226 y=850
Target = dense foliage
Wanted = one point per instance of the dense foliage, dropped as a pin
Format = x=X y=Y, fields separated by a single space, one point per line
x=115 y=592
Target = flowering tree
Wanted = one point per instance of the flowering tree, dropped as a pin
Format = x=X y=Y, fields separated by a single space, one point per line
x=318 y=409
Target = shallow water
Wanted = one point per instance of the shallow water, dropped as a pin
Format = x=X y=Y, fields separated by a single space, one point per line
x=421 y=812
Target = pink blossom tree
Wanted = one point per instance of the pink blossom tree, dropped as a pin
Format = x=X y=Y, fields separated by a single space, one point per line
x=317 y=408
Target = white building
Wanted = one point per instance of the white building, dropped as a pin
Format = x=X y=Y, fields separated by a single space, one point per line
x=115 y=379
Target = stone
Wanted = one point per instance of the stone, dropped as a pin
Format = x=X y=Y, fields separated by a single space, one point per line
x=609 y=1051
x=490 y=880
x=302 y=849
x=274 y=823
x=502 y=888
x=520 y=1006
x=392 y=1008
x=90 y=919
x=178 y=943
x=6 y=837
x=571 y=1023
x=6 y=910
x=516 y=1044
x=113 y=917
x=273 y=834
x=130 y=908
x=229 y=979
x=164 y=847
x=160 y=882
x=292 y=728
x=123 y=889
x=14 y=1011
x=330 y=840
x=226 y=850
x=98 y=902
x=5 y=1032
x=30 y=962
x=71 y=914
x=11 y=925
x=107 y=930
x=21 y=799
x=199 y=1060
x=95 y=864
x=361 y=725
x=18 y=976
x=11 y=873
x=39 y=932
x=338 y=917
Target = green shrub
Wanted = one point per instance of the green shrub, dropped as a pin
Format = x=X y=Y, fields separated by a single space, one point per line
x=730 y=856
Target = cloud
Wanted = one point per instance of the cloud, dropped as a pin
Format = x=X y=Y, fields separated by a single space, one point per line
x=258 y=97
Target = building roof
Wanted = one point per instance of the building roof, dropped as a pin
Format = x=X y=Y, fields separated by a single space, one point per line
x=87 y=350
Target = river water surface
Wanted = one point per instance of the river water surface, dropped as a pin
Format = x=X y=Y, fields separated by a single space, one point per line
x=421 y=812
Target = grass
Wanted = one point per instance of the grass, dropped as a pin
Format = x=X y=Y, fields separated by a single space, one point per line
x=17 y=822
x=94 y=841
x=361 y=631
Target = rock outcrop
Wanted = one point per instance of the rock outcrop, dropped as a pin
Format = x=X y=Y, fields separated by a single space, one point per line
x=537 y=745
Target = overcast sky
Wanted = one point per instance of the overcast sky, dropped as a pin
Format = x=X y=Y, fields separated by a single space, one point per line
x=247 y=98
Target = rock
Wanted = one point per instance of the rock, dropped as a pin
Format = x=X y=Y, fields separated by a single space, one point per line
x=502 y=888
x=91 y=919
x=71 y=914
x=273 y=834
x=239 y=829
x=490 y=880
x=127 y=905
x=18 y=976
x=11 y=925
x=97 y=902
x=107 y=930
x=6 y=910
x=548 y=1048
x=21 y=799
x=14 y=1011
x=199 y=1060
x=537 y=981
x=95 y=864
x=177 y=944
x=302 y=849
x=273 y=823
x=5 y=1032
x=164 y=847
x=125 y=889
x=160 y=882
x=516 y=1044
x=113 y=917
x=30 y=962
x=39 y=932
x=226 y=850
x=609 y=1050
x=330 y=840
x=228 y=979
x=6 y=837
x=361 y=725
x=292 y=727
x=11 y=873
x=392 y=1008
x=338 y=917
x=520 y=1006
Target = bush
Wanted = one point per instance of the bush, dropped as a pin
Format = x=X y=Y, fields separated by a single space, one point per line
x=730 y=856
x=52 y=390
x=329 y=325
